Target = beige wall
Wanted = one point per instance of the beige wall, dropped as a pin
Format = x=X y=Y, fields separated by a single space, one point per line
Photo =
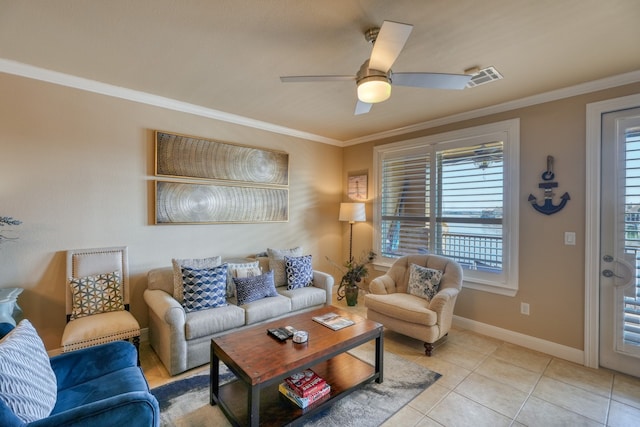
x=551 y=275
x=77 y=169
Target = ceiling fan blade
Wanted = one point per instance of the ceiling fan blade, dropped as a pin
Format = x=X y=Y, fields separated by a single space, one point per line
x=431 y=80
x=362 y=108
x=303 y=79
x=388 y=45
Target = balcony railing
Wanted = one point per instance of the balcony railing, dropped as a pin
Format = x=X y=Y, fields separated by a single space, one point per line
x=474 y=252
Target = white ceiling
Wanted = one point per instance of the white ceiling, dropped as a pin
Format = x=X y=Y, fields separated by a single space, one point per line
x=228 y=55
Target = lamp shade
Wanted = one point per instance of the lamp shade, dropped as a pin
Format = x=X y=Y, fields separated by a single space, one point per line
x=374 y=89
x=352 y=212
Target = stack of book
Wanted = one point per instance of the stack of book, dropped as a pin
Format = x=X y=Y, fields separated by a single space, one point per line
x=304 y=388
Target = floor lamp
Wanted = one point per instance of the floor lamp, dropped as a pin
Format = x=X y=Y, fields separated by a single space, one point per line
x=352 y=212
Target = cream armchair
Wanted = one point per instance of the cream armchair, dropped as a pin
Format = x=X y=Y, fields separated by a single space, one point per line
x=390 y=304
x=104 y=313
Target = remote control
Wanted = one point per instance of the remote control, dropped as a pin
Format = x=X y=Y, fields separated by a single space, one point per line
x=278 y=333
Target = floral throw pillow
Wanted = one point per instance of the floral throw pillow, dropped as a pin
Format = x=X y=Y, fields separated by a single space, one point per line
x=299 y=271
x=423 y=282
x=204 y=288
x=95 y=294
x=250 y=289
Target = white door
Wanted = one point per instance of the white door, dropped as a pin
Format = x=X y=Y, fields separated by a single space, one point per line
x=620 y=242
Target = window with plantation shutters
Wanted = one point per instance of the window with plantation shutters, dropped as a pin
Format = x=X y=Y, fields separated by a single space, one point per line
x=452 y=194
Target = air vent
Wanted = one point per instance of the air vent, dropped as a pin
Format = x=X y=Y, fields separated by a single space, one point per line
x=484 y=76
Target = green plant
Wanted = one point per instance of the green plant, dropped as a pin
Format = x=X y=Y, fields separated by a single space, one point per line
x=353 y=271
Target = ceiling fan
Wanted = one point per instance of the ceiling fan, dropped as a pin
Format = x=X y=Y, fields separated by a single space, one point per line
x=374 y=79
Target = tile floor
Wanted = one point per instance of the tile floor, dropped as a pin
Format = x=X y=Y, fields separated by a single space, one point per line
x=488 y=382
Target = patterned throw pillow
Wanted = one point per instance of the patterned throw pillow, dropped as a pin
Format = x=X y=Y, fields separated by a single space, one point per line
x=240 y=269
x=276 y=263
x=27 y=382
x=197 y=263
x=205 y=288
x=423 y=282
x=254 y=288
x=95 y=294
x=299 y=271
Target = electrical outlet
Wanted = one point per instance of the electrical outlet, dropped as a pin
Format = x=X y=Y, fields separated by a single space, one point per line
x=524 y=308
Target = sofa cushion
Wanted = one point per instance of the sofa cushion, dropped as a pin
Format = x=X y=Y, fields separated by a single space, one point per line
x=205 y=288
x=250 y=289
x=27 y=383
x=198 y=263
x=299 y=271
x=115 y=383
x=304 y=297
x=266 y=308
x=213 y=320
x=409 y=308
x=240 y=269
x=97 y=294
x=276 y=262
x=423 y=281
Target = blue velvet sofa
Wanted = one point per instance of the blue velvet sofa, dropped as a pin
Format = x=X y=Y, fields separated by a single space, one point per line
x=96 y=386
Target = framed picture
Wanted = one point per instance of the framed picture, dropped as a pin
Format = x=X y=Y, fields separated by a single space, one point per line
x=181 y=156
x=207 y=203
x=357 y=187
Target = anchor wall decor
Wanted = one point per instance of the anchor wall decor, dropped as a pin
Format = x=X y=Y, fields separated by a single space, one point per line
x=548 y=207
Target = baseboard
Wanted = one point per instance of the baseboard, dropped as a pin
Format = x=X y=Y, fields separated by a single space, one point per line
x=557 y=350
x=144 y=337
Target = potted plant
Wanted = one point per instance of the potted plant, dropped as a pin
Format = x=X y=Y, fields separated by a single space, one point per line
x=353 y=273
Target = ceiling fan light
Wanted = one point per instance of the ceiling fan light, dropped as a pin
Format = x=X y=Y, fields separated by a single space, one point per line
x=374 y=89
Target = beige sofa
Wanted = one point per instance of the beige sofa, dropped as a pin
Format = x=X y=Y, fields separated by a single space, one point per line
x=182 y=340
x=426 y=320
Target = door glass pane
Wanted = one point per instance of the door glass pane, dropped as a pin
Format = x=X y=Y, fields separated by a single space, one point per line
x=631 y=294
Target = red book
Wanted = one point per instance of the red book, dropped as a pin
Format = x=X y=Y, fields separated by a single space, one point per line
x=305 y=383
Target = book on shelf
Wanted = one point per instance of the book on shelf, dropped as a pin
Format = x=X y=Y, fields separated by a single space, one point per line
x=303 y=402
x=333 y=321
x=305 y=383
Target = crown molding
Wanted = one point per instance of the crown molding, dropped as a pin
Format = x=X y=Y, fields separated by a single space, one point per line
x=36 y=73
x=593 y=86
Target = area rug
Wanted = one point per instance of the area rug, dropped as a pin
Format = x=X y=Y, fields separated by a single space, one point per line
x=186 y=402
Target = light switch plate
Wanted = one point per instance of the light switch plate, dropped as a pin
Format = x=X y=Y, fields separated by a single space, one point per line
x=569 y=238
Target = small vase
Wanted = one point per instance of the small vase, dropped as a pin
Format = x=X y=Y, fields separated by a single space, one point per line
x=351 y=292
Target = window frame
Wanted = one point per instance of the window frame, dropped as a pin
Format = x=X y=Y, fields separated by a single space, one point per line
x=508 y=131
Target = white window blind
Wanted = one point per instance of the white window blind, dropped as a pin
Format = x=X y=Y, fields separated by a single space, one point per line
x=469 y=202
x=405 y=205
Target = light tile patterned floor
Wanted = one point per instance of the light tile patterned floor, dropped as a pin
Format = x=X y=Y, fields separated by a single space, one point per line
x=487 y=382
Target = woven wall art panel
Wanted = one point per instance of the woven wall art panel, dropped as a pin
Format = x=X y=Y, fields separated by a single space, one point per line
x=193 y=157
x=188 y=203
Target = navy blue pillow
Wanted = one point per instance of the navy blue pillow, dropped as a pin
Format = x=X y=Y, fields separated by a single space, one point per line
x=250 y=289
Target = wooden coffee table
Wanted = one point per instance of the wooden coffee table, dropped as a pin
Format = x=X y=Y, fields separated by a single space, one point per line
x=261 y=363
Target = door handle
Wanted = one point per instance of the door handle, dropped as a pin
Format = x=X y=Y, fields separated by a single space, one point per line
x=628 y=276
x=609 y=273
